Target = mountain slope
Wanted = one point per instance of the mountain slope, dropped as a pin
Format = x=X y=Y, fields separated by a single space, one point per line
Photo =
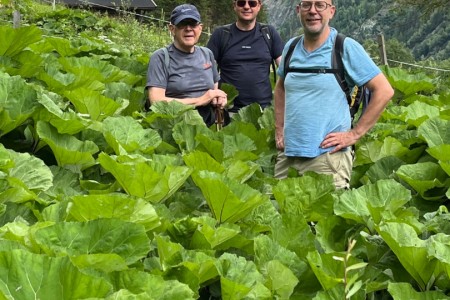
x=426 y=37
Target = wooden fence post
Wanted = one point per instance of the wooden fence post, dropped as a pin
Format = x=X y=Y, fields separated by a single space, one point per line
x=16 y=19
x=382 y=48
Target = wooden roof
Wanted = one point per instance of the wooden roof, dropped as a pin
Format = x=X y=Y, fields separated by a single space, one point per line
x=130 y=4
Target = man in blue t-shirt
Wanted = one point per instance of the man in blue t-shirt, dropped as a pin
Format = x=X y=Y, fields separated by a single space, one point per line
x=246 y=58
x=312 y=118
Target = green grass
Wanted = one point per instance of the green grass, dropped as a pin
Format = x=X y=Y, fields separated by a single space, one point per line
x=124 y=30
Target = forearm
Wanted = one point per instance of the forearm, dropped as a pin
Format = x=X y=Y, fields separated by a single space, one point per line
x=368 y=119
x=158 y=94
x=381 y=94
x=279 y=105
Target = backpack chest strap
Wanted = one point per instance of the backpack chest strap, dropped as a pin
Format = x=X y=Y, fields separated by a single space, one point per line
x=316 y=71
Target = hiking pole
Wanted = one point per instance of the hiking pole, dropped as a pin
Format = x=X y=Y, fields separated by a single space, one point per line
x=219 y=118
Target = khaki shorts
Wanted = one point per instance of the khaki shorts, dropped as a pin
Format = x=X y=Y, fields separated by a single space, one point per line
x=338 y=164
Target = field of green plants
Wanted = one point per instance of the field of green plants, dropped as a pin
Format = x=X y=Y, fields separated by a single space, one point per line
x=100 y=199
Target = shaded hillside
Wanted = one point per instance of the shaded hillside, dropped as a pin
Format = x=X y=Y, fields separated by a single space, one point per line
x=426 y=37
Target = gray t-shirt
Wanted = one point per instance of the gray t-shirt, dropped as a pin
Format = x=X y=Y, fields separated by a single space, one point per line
x=187 y=75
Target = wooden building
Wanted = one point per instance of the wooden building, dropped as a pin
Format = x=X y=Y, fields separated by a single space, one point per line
x=135 y=5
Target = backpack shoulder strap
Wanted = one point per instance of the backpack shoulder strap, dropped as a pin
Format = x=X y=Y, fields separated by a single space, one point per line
x=267 y=35
x=166 y=57
x=336 y=60
x=288 y=55
x=224 y=39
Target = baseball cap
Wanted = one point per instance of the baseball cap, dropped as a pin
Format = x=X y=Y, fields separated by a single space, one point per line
x=184 y=11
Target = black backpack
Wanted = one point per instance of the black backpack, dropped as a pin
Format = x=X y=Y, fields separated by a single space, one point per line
x=356 y=95
x=266 y=33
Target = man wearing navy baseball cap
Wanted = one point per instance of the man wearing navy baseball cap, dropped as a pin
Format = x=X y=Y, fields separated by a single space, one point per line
x=185 y=72
x=184 y=11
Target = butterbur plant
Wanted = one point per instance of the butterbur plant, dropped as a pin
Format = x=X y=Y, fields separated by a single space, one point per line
x=101 y=199
x=351 y=283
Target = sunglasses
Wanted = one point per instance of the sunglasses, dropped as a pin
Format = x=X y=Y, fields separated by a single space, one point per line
x=185 y=23
x=251 y=3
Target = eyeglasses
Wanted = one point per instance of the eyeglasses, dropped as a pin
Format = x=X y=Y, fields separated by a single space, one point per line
x=319 y=5
x=185 y=23
x=251 y=3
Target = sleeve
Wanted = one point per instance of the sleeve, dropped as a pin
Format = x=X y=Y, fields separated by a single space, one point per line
x=214 y=43
x=157 y=73
x=277 y=43
x=359 y=66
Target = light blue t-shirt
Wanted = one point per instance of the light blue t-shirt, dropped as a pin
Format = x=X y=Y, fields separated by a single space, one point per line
x=315 y=103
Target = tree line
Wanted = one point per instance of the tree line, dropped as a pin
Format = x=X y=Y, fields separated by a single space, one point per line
x=420 y=26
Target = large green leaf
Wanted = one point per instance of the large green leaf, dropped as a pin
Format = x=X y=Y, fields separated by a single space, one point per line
x=439 y=247
x=92 y=103
x=281 y=279
x=60 y=81
x=190 y=267
x=383 y=168
x=239 y=146
x=293 y=232
x=104 y=262
x=115 y=206
x=239 y=277
x=62 y=46
x=68 y=150
x=374 y=150
x=102 y=70
x=441 y=153
x=139 y=178
x=427 y=178
x=126 y=239
x=332 y=234
x=17 y=102
x=267 y=250
x=185 y=136
x=228 y=200
x=126 y=136
x=209 y=236
x=25 y=276
x=309 y=195
x=438 y=221
x=211 y=146
x=260 y=137
x=28 y=176
x=147 y=286
x=372 y=202
x=403 y=290
x=16 y=40
x=31 y=171
x=199 y=161
x=65 y=183
x=435 y=132
x=409 y=84
x=26 y=64
x=328 y=270
x=248 y=114
x=418 y=112
x=134 y=95
x=411 y=251
x=64 y=121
